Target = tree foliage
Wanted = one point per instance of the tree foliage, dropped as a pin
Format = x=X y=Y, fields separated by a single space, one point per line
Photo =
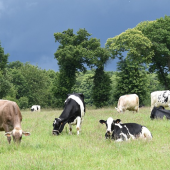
x=131 y=79
x=101 y=89
x=158 y=32
x=3 y=59
x=5 y=84
x=74 y=53
x=31 y=84
x=134 y=43
x=84 y=84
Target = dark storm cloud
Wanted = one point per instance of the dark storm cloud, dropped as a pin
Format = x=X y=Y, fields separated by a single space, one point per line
x=27 y=27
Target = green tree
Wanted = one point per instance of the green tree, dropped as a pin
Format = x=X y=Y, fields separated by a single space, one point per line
x=84 y=84
x=30 y=83
x=134 y=44
x=3 y=59
x=158 y=32
x=101 y=89
x=5 y=84
x=131 y=78
x=73 y=54
x=132 y=75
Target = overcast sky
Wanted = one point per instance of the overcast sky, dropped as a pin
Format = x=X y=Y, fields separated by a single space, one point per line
x=27 y=27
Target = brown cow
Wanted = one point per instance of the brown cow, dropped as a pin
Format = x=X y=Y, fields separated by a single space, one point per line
x=10 y=121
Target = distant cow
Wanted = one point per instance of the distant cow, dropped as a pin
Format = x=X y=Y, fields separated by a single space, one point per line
x=10 y=121
x=128 y=102
x=160 y=98
x=73 y=113
x=123 y=132
x=159 y=113
x=35 y=108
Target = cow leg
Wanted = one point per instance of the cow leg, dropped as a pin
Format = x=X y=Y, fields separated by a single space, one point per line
x=81 y=124
x=78 y=125
x=137 y=110
x=5 y=126
x=70 y=129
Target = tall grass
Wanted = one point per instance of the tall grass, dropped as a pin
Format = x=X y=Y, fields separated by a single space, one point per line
x=89 y=150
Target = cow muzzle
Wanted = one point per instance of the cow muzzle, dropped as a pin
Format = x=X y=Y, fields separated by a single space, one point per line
x=107 y=135
x=108 y=132
x=55 y=132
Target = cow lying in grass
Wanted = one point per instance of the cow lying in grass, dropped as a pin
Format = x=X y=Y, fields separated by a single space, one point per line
x=123 y=132
x=159 y=113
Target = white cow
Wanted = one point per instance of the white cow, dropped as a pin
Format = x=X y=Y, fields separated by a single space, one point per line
x=160 y=98
x=128 y=102
x=35 y=108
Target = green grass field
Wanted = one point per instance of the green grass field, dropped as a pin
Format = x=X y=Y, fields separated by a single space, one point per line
x=89 y=150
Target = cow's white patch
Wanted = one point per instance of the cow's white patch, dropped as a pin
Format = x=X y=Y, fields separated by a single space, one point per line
x=118 y=124
x=35 y=108
x=131 y=136
x=109 y=124
x=119 y=140
x=124 y=135
x=146 y=133
x=54 y=121
x=17 y=130
x=160 y=98
x=79 y=102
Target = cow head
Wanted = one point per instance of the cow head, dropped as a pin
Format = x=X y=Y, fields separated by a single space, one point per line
x=16 y=133
x=58 y=126
x=119 y=110
x=32 y=109
x=109 y=126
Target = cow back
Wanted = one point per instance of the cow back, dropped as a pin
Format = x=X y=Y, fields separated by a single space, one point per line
x=10 y=113
x=160 y=98
x=128 y=102
x=159 y=113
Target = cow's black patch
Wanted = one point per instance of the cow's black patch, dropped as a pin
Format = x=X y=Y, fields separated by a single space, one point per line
x=159 y=113
x=70 y=112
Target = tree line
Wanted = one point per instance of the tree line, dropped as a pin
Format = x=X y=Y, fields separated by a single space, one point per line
x=143 y=67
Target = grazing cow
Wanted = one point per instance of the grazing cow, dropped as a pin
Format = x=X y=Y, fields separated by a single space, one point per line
x=128 y=102
x=123 y=132
x=35 y=108
x=73 y=113
x=159 y=113
x=10 y=121
x=160 y=98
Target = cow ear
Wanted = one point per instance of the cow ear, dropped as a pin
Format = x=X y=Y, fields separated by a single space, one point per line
x=117 y=121
x=8 y=134
x=26 y=133
x=102 y=121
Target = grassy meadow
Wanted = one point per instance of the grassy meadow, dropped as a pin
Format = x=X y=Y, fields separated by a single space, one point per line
x=89 y=150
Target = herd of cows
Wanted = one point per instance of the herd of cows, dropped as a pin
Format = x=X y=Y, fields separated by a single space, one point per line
x=74 y=112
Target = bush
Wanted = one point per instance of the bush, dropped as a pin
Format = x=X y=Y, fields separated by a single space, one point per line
x=23 y=102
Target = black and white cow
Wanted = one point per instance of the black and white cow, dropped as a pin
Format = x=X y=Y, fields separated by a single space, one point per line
x=159 y=113
x=160 y=98
x=123 y=132
x=35 y=108
x=73 y=113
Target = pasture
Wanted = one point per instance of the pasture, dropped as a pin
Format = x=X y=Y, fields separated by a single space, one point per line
x=89 y=150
